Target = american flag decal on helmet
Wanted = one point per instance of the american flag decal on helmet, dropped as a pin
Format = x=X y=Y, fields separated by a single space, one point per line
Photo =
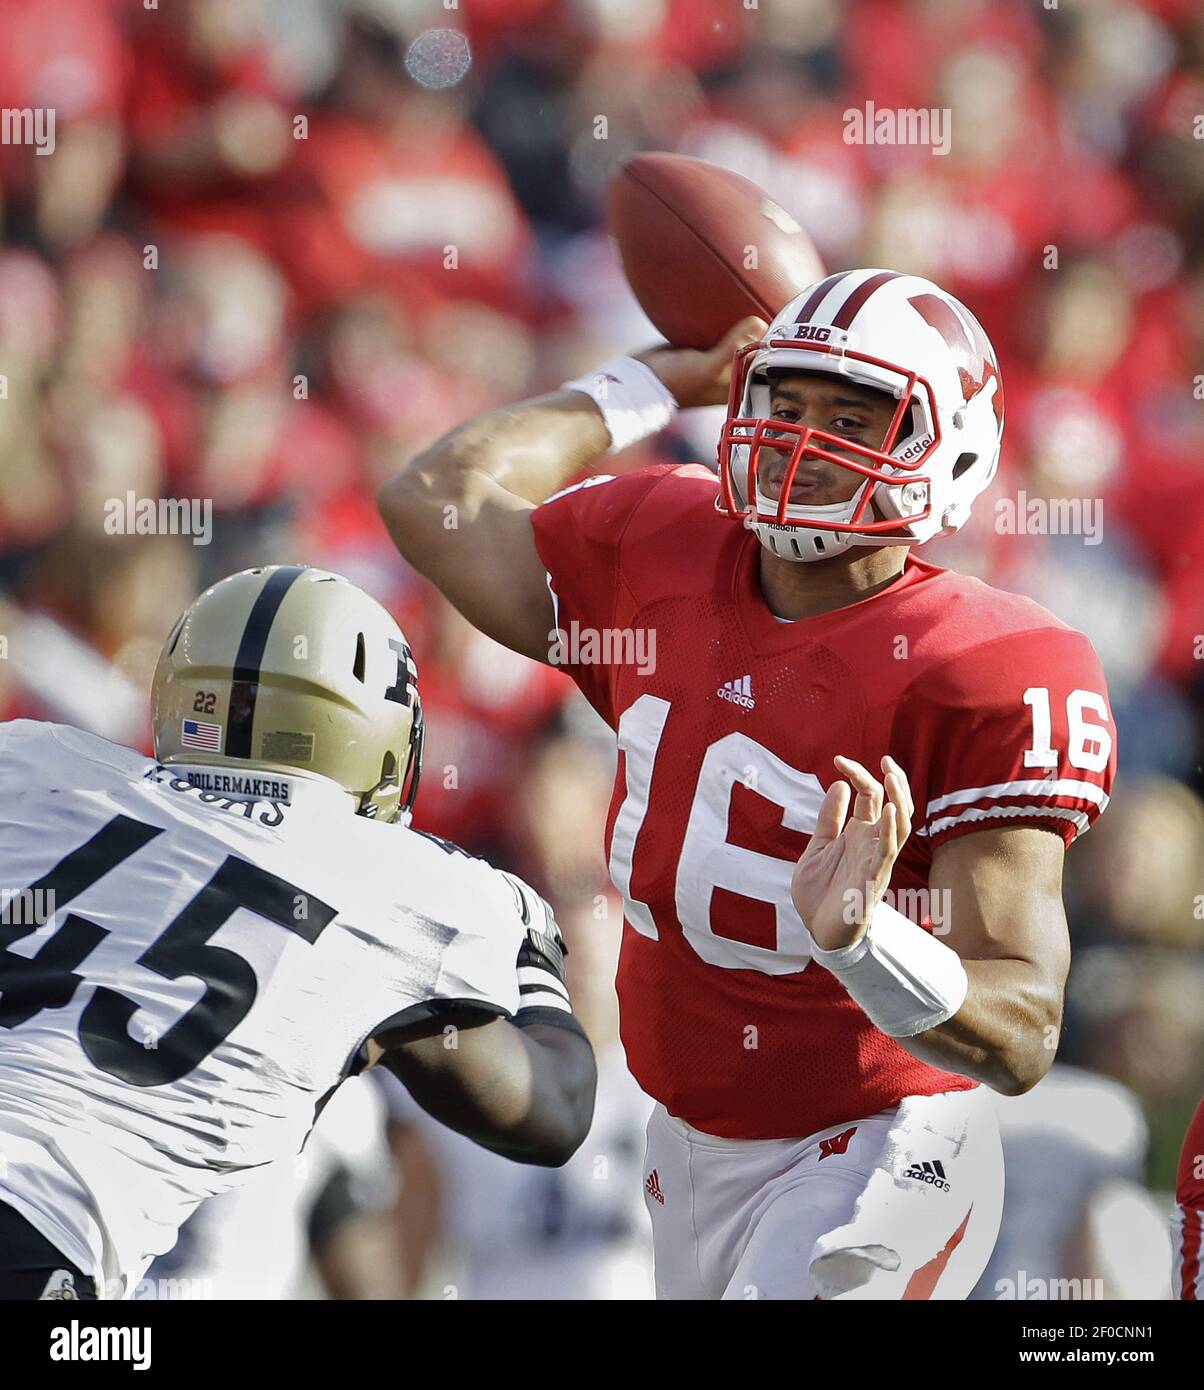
x=197 y=734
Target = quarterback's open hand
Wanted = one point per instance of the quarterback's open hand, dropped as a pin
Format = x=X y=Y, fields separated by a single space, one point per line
x=846 y=868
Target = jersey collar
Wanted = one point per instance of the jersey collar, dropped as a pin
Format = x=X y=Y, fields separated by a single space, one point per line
x=765 y=630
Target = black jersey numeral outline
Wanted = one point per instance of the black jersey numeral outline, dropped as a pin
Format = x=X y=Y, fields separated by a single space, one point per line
x=49 y=979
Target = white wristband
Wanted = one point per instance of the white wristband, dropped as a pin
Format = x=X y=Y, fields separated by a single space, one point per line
x=634 y=402
x=905 y=980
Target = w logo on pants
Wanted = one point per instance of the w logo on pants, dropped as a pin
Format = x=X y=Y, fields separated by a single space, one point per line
x=838 y=1144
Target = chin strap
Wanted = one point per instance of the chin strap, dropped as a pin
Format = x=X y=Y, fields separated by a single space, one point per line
x=832 y=511
x=801 y=542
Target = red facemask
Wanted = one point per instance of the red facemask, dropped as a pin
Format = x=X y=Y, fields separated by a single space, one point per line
x=802 y=442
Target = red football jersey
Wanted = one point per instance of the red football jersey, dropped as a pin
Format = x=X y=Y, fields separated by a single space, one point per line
x=1187 y=1222
x=728 y=720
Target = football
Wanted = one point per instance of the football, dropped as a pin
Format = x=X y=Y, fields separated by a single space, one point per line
x=702 y=247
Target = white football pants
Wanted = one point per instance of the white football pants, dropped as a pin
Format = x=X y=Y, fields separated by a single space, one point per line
x=905 y=1204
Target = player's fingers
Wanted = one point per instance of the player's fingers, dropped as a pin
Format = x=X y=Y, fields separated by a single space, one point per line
x=740 y=334
x=889 y=765
x=749 y=330
x=868 y=806
x=888 y=836
x=832 y=812
x=897 y=796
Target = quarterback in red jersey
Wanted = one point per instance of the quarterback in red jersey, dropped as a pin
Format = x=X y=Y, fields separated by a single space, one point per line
x=847 y=777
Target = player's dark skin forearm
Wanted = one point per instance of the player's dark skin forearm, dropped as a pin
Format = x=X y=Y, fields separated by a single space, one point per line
x=1007 y=923
x=526 y=1092
x=530 y=449
x=999 y=894
x=1004 y=1035
x=460 y=511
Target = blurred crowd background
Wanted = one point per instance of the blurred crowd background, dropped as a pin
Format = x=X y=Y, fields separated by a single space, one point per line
x=280 y=245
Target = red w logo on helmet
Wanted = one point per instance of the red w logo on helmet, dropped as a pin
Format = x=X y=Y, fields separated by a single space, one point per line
x=968 y=344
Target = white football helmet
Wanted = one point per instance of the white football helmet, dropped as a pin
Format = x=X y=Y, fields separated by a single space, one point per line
x=896 y=333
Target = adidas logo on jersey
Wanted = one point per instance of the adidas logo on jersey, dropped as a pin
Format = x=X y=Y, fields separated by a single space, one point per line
x=739 y=692
x=933 y=1173
x=653 y=1187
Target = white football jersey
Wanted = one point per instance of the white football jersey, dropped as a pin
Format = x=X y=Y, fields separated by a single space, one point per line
x=208 y=971
x=253 y=1242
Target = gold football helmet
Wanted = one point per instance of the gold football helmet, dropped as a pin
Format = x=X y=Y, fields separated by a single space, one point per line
x=293 y=670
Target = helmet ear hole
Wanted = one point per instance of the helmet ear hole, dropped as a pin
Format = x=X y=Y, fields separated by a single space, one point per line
x=388 y=767
x=357 y=669
x=964 y=462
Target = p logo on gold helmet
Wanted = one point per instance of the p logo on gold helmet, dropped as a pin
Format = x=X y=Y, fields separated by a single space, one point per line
x=293 y=670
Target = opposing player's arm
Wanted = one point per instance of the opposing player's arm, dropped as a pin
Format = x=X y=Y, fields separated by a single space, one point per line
x=460 y=511
x=524 y=1090
x=523 y=1087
